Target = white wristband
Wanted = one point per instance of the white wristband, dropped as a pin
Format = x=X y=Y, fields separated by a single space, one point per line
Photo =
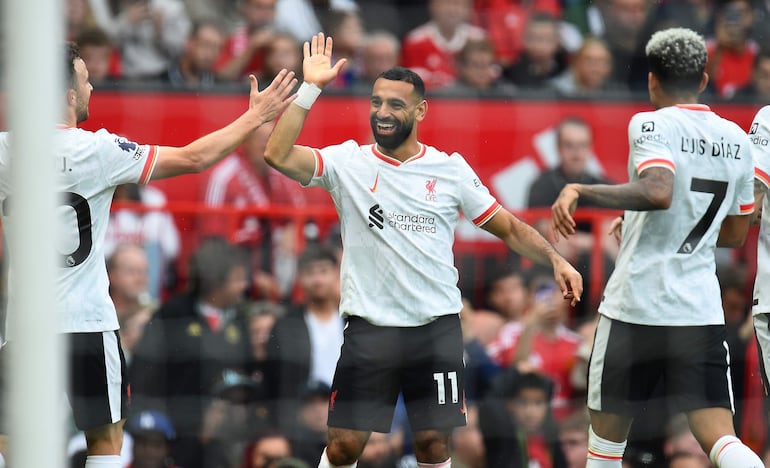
x=306 y=95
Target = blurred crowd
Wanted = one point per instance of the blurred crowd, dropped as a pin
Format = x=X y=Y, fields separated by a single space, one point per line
x=232 y=348
x=489 y=48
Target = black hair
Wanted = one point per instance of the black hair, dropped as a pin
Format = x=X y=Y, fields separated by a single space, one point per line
x=72 y=53
x=211 y=265
x=316 y=253
x=406 y=75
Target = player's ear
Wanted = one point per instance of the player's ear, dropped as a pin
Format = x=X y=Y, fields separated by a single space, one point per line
x=422 y=109
x=71 y=97
x=704 y=81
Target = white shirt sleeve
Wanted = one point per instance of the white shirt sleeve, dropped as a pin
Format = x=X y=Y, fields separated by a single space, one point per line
x=123 y=161
x=476 y=202
x=649 y=143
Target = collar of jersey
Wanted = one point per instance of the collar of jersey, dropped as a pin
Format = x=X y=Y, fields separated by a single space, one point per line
x=394 y=161
x=695 y=107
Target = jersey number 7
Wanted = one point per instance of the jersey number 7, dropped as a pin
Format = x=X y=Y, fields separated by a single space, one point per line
x=717 y=188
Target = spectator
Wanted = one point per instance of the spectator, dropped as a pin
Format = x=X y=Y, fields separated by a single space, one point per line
x=541 y=342
x=261 y=316
x=283 y=52
x=758 y=90
x=154 y=230
x=223 y=12
x=381 y=51
x=243 y=52
x=127 y=271
x=573 y=438
x=305 y=344
x=308 y=430
x=303 y=18
x=102 y=60
x=504 y=20
x=542 y=57
x=190 y=341
x=589 y=73
x=507 y=294
x=153 y=437
x=194 y=68
x=430 y=49
x=478 y=73
x=346 y=27
x=731 y=51
x=243 y=180
x=621 y=24
x=517 y=424
x=266 y=450
x=78 y=18
x=236 y=413
x=468 y=442
x=378 y=452
x=149 y=34
x=479 y=329
x=574 y=145
x=680 y=440
x=697 y=15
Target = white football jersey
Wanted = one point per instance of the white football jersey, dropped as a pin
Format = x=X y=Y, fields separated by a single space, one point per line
x=759 y=134
x=398 y=222
x=665 y=270
x=89 y=165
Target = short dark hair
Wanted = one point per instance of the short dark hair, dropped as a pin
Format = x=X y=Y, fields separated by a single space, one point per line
x=677 y=57
x=72 y=53
x=532 y=380
x=406 y=75
x=316 y=253
x=212 y=263
x=93 y=37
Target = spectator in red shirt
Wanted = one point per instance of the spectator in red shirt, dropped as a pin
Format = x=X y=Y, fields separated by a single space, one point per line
x=731 y=50
x=540 y=342
x=430 y=49
x=243 y=51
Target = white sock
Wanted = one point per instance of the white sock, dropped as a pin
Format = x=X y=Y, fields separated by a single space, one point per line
x=444 y=464
x=103 y=461
x=603 y=453
x=325 y=463
x=729 y=452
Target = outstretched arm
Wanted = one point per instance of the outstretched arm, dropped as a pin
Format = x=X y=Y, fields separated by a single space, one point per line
x=525 y=240
x=205 y=151
x=652 y=191
x=281 y=153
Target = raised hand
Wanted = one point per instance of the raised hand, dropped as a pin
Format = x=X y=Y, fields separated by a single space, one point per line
x=272 y=100
x=317 y=66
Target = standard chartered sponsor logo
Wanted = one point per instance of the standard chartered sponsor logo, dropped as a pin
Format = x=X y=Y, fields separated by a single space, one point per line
x=412 y=222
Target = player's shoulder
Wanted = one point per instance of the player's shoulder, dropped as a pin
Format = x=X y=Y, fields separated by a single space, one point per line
x=646 y=122
x=763 y=114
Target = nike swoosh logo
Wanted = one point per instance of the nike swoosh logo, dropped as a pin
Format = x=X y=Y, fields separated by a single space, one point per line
x=373 y=188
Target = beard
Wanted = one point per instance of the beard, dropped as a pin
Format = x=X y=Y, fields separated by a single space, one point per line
x=401 y=131
x=81 y=111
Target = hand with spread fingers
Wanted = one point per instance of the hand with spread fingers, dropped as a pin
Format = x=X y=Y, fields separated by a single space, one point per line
x=275 y=98
x=562 y=210
x=317 y=65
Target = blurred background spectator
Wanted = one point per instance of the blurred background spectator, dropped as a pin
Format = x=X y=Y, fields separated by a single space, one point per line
x=381 y=50
x=283 y=51
x=573 y=438
x=731 y=50
x=304 y=18
x=153 y=436
x=305 y=344
x=153 y=229
x=244 y=180
x=347 y=29
x=266 y=450
x=190 y=341
x=194 y=67
x=478 y=73
x=542 y=57
x=128 y=274
x=101 y=58
x=243 y=51
x=589 y=74
x=307 y=432
x=430 y=49
x=758 y=90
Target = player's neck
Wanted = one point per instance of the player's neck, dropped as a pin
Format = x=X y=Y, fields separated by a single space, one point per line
x=407 y=150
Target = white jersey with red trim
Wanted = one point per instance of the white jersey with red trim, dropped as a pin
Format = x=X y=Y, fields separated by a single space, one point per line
x=89 y=165
x=759 y=134
x=665 y=270
x=398 y=222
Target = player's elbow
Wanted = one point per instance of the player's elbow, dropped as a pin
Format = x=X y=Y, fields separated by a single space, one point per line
x=660 y=199
x=273 y=157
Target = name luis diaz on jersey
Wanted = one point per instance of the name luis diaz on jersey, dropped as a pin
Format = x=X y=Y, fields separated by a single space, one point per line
x=701 y=147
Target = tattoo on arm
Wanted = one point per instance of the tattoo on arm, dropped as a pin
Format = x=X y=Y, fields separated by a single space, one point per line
x=652 y=191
